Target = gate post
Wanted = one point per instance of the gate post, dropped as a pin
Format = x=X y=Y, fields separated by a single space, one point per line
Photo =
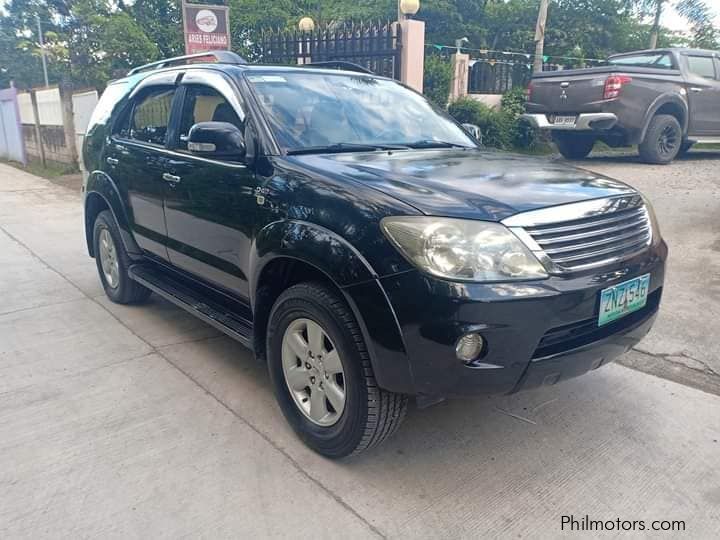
x=461 y=71
x=412 y=55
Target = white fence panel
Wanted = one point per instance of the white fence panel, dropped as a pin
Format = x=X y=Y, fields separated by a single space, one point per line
x=26 y=110
x=83 y=106
x=49 y=107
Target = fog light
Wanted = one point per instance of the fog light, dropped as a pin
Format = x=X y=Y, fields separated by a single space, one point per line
x=469 y=347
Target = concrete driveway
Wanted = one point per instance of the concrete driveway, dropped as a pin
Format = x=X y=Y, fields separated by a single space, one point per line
x=141 y=422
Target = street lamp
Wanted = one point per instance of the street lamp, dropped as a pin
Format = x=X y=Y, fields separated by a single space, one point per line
x=407 y=7
x=306 y=24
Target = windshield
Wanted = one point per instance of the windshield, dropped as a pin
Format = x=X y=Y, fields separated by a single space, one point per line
x=311 y=111
x=655 y=60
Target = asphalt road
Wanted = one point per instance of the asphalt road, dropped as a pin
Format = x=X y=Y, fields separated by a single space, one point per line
x=141 y=422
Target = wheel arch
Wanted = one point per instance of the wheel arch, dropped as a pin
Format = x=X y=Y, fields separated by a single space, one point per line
x=290 y=252
x=101 y=193
x=670 y=104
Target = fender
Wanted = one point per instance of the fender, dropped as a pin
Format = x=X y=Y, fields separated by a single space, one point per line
x=353 y=275
x=660 y=101
x=100 y=184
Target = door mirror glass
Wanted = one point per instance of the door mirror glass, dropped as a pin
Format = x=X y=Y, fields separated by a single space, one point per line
x=474 y=131
x=218 y=140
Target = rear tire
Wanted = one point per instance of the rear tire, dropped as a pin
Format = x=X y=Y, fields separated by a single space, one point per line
x=113 y=263
x=574 y=145
x=365 y=415
x=663 y=140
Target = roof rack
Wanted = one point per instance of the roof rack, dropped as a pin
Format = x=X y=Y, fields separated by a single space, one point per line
x=218 y=57
x=338 y=64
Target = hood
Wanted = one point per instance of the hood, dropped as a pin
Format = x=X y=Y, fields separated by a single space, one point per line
x=467 y=183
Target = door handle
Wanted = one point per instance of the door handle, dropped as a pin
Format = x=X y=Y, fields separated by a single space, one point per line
x=112 y=161
x=696 y=90
x=171 y=178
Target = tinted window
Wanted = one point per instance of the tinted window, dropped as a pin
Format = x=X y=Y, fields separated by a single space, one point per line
x=204 y=104
x=150 y=116
x=704 y=66
x=654 y=60
x=313 y=109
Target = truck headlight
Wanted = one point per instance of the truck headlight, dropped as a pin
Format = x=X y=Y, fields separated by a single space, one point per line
x=462 y=250
x=654 y=225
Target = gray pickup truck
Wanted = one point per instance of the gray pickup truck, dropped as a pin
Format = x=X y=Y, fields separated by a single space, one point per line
x=662 y=100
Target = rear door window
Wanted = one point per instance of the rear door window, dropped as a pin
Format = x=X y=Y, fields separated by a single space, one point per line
x=150 y=116
x=703 y=66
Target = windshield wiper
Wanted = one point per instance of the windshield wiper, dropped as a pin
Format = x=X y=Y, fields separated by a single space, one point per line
x=345 y=147
x=431 y=143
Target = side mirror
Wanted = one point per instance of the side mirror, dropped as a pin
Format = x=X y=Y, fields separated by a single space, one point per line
x=219 y=140
x=474 y=131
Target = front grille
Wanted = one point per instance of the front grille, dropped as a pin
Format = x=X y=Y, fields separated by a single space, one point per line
x=582 y=236
x=571 y=336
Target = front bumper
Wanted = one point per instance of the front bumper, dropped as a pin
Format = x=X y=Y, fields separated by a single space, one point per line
x=537 y=333
x=584 y=122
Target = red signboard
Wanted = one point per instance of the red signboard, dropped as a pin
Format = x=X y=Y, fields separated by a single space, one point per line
x=206 y=28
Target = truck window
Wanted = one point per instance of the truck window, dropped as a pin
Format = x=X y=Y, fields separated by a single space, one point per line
x=150 y=116
x=110 y=97
x=653 y=60
x=703 y=66
x=204 y=104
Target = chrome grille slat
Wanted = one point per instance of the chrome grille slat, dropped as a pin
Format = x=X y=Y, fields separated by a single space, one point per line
x=641 y=233
x=586 y=235
x=630 y=244
x=581 y=236
x=586 y=224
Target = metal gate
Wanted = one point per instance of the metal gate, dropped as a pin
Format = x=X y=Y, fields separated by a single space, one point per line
x=375 y=46
x=12 y=146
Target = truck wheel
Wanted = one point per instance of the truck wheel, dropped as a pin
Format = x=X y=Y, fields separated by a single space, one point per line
x=574 y=145
x=322 y=376
x=113 y=262
x=663 y=140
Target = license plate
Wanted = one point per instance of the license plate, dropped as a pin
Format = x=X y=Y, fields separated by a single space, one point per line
x=623 y=298
x=565 y=120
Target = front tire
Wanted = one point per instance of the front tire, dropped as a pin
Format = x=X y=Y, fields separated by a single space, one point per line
x=322 y=376
x=663 y=140
x=574 y=145
x=113 y=263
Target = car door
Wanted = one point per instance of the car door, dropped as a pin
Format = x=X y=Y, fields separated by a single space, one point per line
x=136 y=161
x=703 y=82
x=211 y=208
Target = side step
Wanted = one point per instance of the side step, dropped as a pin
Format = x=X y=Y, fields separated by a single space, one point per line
x=176 y=291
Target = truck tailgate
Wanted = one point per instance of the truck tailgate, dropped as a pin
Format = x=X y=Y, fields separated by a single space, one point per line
x=568 y=94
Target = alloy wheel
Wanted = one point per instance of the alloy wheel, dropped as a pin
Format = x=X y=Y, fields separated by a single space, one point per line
x=109 y=259
x=313 y=372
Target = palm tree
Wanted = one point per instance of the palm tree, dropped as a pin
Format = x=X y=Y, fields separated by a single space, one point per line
x=696 y=12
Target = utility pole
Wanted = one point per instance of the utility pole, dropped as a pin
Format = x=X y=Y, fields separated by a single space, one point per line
x=42 y=50
x=656 y=24
x=540 y=36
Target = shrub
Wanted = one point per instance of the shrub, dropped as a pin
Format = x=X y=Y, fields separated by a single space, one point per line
x=496 y=125
x=502 y=128
x=437 y=79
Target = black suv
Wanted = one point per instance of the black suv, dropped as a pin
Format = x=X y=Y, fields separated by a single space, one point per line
x=360 y=241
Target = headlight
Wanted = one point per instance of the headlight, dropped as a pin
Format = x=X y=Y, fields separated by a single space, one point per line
x=462 y=250
x=655 y=226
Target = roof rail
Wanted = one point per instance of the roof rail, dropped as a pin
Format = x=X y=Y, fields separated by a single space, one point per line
x=219 y=57
x=339 y=64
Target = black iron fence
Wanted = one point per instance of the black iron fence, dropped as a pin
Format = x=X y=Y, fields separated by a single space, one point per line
x=498 y=75
x=375 y=46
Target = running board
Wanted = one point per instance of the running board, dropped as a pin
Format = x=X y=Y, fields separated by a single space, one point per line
x=213 y=313
x=705 y=140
